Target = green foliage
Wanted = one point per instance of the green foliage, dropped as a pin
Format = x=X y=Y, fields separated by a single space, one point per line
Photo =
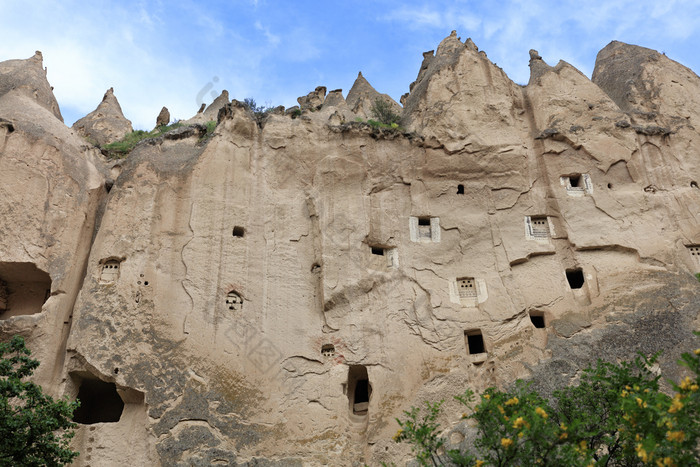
x=259 y=111
x=698 y=276
x=34 y=429
x=211 y=126
x=615 y=415
x=122 y=148
x=383 y=111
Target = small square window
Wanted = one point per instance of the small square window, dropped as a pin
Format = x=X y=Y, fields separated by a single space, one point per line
x=467 y=287
x=575 y=278
x=238 y=231
x=537 y=319
x=537 y=228
x=475 y=342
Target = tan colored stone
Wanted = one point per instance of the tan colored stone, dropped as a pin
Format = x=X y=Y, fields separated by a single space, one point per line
x=265 y=273
x=106 y=124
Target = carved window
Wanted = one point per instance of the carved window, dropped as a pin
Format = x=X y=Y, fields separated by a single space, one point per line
x=575 y=278
x=110 y=271
x=537 y=319
x=424 y=229
x=328 y=350
x=577 y=184
x=474 y=341
x=694 y=251
x=467 y=287
x=234 y=302
x=537 y=228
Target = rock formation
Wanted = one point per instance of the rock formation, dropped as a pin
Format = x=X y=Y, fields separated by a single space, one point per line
x=163 y=117
x=362 y=96
x=106 y=124
x=279 y=292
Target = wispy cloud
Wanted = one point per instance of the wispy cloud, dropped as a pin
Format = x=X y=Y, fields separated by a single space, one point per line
x=157 y=53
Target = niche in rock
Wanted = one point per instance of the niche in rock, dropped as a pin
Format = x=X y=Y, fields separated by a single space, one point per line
x=24 y=289
x=577 y=184
x=460 y=189
x=537 y=228
x=694 y=251
x=475 y=342
x=234 y=301
x=110 y=270
x=328 y=350
x=424 y=229
x=99 y=403
x=537 y=319
x=575 y=278
x=359 y=390
x=238 y=231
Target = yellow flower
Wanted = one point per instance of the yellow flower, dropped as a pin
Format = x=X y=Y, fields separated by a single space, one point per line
x=500 y=409
x=539 y=411
x=583 y=445
x=506 y=442
x=697 y=352
x=564 y=435
x=665 y=462
x=685 y=384
x=518 y=422
x=512 y=401
x=562 y=426
x=641 y=403
x=641 y=453
x=398 y=434
x=628 y=387
x=478 y=463
x=676 y=404
x=693 y=387
x=487 y=397
x=624 y=393
x=465 y=415
x=637 y=437
x=677 y=436
x=520 y=435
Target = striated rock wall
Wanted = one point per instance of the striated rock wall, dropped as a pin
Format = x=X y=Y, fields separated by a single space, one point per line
x=279 y=292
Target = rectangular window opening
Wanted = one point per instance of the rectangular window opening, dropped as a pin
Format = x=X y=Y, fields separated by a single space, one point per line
x=377 y=250
x=238 y=231
x=575 y=181
x=575 y=278
x=475 y=342
x=424 y=221
x=537 y=319
x=466 y=287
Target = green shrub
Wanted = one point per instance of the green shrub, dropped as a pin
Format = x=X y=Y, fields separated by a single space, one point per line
x=122 y=148
x=211 y=126
x=384 y=112
x=34 y=429
x=615 y=415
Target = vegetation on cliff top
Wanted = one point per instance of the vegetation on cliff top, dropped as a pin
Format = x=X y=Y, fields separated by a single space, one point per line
x=615 y=415
x=34 y=429
x=122 y=148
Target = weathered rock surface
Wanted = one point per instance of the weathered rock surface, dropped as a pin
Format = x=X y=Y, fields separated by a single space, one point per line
x=279 y=292
x=362 y=97
x=163 y=117
x=106 y=124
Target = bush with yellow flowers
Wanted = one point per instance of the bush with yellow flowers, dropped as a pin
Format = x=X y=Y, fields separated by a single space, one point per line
x=614 y=415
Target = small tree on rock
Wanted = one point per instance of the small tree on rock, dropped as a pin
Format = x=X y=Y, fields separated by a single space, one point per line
x=34 y=429
x=383 y=111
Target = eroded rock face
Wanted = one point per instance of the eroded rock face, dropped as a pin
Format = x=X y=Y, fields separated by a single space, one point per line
x=280 y=292
x=362 y=97
x=106 y=124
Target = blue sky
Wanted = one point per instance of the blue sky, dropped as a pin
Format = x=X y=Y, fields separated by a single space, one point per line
x=180 y=52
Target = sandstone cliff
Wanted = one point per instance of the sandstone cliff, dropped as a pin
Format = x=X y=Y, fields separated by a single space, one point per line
x=106 y=124
x=277 y=293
